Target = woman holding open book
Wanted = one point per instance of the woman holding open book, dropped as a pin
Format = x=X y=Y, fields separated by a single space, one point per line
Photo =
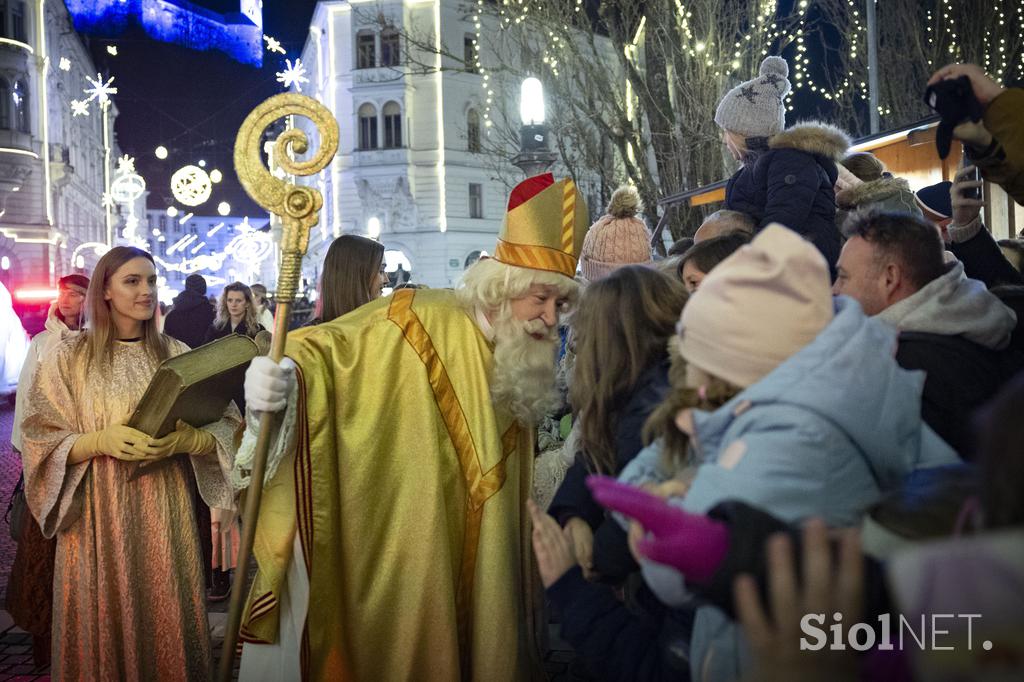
x=128 y=587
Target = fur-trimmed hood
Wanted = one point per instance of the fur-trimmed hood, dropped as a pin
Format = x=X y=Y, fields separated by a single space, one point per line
x=813 y=137
x=872 y=192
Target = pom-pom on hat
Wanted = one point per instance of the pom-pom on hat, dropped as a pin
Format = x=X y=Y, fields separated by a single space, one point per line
x=755 y=108
x=618 y=238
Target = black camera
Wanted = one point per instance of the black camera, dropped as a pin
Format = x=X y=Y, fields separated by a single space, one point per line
x=954 y=101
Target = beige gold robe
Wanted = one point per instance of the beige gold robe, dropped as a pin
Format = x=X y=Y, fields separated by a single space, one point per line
x=128 y=588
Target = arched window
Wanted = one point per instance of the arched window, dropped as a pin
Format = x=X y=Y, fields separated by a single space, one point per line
x=392 y=126
x=366 y=50
x=367 y=127
x=20 y=99
x=390 y=48
x=5 y=105
x=473 y=131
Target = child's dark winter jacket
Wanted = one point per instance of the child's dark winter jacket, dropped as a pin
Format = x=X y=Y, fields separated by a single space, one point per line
x=792 y=183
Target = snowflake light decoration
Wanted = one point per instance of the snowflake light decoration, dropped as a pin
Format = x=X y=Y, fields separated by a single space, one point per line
x=64 y=64
x=107 y=200
x=100 y=91
x=191 y=185
x=79 y=107
x=294 y=74
x=273 y=45
x=126 y=164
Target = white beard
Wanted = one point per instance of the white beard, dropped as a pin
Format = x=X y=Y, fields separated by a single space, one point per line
x=524 y=368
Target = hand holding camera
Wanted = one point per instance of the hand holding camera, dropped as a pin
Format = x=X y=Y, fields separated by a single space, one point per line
x=960 y=93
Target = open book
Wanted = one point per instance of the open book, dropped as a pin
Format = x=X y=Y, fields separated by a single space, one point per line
x=195 y=387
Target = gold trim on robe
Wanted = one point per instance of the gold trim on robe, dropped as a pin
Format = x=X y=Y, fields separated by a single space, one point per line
x=416 y=545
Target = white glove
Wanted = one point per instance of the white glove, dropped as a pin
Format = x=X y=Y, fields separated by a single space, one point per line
x=268 y=384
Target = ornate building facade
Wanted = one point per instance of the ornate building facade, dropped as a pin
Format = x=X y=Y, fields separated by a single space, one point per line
x=54 y=166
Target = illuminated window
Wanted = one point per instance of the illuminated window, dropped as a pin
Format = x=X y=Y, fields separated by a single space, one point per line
x=473 y=131
x=367 y=127
x=476 y=200
x=20 y=100
x=392 y=126
x=366 y=50
x=390 y=50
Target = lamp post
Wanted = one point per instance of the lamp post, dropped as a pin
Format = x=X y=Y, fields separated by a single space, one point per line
x=535 y=156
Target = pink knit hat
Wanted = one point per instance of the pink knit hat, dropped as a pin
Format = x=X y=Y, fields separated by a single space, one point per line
x=757 y=308
x=618 y=238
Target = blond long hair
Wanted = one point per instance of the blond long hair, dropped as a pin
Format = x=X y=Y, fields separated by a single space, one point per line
x=621 y=328
x=251 y=319
x=662 y=422
x=101 y=331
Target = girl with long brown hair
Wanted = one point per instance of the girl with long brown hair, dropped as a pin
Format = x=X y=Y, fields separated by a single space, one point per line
x=128 y=599
x=353 y=275
x=621 y=331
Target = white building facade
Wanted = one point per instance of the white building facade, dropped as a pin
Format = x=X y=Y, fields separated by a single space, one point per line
x=410 y=162
x=54 y=166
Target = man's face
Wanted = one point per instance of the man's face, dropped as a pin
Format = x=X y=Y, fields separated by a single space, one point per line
x=542 y=302
x=861 y=276
x=69 y=303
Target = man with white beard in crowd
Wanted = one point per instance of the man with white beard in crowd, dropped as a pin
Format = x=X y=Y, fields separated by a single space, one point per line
x=393 y=540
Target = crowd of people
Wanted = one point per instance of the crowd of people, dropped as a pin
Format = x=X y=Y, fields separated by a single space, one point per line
x=809 y=409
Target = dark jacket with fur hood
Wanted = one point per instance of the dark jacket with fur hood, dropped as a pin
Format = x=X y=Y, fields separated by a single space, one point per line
x=791 y=182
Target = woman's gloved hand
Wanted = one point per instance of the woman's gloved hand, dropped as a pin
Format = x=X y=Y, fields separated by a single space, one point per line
x=186 y=439
x=117 y=440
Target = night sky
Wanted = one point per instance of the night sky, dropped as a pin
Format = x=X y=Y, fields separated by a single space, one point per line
x=193 y=102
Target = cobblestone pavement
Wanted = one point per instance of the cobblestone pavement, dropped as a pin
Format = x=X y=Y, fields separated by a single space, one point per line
x=15 y=644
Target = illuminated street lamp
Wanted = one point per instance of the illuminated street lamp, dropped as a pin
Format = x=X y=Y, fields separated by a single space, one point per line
x=535 y=156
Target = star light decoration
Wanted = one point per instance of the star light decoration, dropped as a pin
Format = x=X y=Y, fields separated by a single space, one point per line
x=107 y=201
x=100 y=91
x=126 y=164
x=79 y=107
x=273 y=45
x=294 y=74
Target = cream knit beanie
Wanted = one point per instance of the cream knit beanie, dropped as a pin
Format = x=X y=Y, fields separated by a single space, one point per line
x=757 y=308
x=618 y=238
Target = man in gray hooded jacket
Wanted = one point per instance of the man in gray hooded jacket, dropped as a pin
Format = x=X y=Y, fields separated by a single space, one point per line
x=950 y=326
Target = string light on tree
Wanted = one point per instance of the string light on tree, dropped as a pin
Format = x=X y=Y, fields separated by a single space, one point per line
x=191 y=185
x=293 y=75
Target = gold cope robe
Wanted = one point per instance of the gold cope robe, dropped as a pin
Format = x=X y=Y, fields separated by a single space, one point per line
x=408 y=489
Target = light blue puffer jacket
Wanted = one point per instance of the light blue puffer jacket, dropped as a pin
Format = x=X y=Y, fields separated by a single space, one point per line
x=824 y=434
